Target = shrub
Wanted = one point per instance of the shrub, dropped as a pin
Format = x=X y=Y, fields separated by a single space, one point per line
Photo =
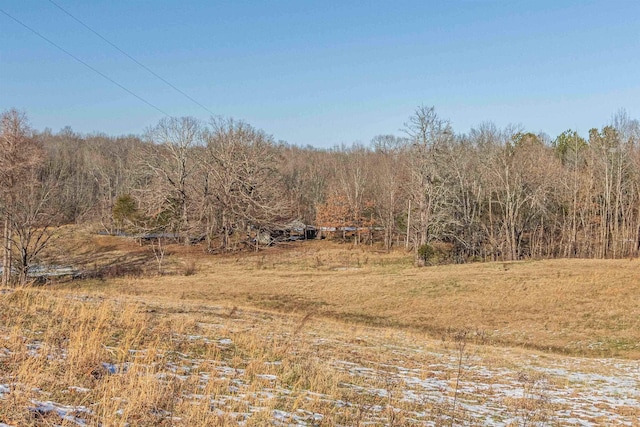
x=435 y=253
x=426 y=254
x=125 y=212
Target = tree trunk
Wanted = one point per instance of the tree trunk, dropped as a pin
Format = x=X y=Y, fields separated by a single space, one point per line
x=24 y=268
x=6 y=252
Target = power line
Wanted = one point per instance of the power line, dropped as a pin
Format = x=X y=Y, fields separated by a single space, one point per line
x=84 y=63
x=131 y=57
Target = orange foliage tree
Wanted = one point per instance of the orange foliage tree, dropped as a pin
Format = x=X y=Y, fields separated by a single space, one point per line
x=337 y=213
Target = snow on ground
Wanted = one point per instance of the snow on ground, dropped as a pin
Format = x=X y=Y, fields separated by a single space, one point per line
x=418 y=382
x=71 y=414
x=570 y=394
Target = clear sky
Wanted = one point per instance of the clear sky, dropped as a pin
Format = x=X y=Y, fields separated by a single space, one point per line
x=324 y=72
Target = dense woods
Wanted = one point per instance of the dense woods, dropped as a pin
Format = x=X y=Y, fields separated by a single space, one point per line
x=489 y=194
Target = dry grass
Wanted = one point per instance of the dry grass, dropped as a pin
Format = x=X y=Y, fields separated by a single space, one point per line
x=74 y=359
x=321 y=334
x=579 y=307
x=120 y=363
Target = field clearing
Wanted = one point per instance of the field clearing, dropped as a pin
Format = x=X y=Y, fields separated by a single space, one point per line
x=575 y=307
x=74 y=360
x=318 y=333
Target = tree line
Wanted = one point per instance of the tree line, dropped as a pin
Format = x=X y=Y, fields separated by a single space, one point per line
x=489 y=194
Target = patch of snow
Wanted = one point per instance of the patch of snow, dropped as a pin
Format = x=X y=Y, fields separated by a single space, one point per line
x=67 y=413
x=110 y=367
x=33 y=348
x=267 y=377
x=115 y=369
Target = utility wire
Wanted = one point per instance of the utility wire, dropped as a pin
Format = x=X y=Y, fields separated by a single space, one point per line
x=84 y=63
x=131 y=58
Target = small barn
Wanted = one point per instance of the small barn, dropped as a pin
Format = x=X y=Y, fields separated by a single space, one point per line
x=292 y=231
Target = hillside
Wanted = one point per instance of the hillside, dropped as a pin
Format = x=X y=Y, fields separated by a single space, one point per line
x=318 y=333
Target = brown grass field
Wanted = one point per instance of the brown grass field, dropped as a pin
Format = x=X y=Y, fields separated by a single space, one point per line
x=319 y=333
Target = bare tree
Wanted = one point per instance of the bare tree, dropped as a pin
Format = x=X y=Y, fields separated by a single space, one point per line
x=306 y=173
x=171 y=159
x=390 y=172
x=34 y=220
x=19 y=155
x=430 y=136
x=113 y=166
x=468 y=196
x=571 y=149
x=243 y=189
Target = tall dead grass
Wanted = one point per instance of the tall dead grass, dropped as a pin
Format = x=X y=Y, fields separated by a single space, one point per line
x=70 y=358
x=110 y=362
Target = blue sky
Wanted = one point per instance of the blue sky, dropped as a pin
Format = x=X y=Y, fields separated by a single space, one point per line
x=325 y=73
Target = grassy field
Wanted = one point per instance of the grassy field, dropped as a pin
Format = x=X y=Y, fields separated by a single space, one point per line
x=319 y=333
x=576 y=307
